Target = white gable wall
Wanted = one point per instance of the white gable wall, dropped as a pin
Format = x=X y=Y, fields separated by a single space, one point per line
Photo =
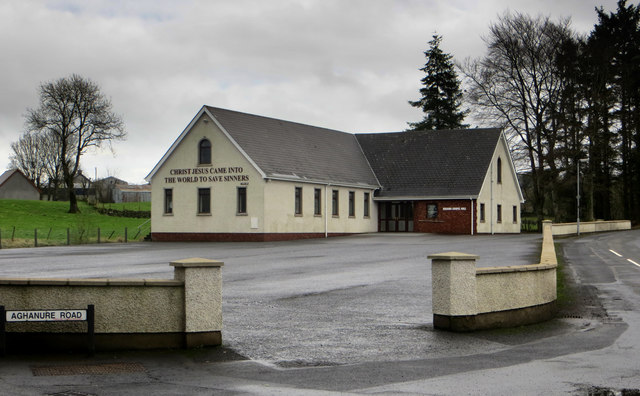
x=507 y=194
x=182 y=173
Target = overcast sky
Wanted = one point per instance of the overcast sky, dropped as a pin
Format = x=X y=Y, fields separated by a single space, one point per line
x=350 y=65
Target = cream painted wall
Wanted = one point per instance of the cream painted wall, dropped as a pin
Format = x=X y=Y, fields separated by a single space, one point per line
x=459 y=288
x=189 y=303
x=124 y=308
x=223 y=216
x=280 y=209
x=505 y=194
x=591 y=226
x=270 y=203
x=517 y=287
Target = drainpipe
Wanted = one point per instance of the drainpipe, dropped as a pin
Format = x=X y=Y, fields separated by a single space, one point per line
x=326 y=211
x=491 y=201
x=471 y=204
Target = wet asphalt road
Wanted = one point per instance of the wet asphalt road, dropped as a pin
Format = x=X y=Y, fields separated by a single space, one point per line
x=351 y=315
x=151 y=259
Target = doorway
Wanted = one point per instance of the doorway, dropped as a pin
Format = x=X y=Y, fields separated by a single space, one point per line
x=395 y=216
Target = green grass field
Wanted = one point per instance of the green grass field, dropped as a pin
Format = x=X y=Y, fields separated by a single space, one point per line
x=22 y=221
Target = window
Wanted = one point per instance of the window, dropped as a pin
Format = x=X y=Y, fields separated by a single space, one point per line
x=352 y=204
x=432 y=211
x=204 y=152
x=482 y=213
x=242 y=200
x=499 y=214
x=298 y=201
x=168 y=201
x=204 y=200
x=317 y=202
x=366 y=204
x=334 y=203
x=499 y=171
x=515 y=214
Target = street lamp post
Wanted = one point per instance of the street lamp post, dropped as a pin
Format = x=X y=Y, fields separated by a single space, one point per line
x=584 y=160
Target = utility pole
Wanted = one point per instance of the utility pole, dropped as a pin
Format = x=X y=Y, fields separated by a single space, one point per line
x=578 y=193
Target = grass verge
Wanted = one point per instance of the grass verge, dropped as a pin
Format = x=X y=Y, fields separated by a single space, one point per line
x=565 y=295
x=22 y=223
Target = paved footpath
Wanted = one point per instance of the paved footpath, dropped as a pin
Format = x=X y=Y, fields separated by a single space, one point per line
x=351 y=315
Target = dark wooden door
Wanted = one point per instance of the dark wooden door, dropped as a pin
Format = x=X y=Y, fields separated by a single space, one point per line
x=395 y=217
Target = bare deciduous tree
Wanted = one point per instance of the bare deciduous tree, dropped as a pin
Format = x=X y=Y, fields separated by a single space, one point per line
x=36 y=154
x=53 y=166
x=27 y=157
x=79 y=116
x=516 y=85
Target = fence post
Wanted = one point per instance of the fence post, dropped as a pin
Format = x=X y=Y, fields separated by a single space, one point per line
x=98 y=234
x=68 y=237
x=125 y=234
x=35 y=237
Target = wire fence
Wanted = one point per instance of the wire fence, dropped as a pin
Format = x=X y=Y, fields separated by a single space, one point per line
x=12 y=237
x=529 y=225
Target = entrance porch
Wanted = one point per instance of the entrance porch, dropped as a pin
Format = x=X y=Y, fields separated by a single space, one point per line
x=395 y=216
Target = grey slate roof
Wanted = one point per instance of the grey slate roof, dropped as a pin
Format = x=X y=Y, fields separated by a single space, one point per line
x=284 y=149
x=450 y=163
x=402 y=165
x=6 y=175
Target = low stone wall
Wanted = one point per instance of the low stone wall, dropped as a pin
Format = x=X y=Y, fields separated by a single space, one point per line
x=591 y=226
x=129 y=313
x=467 y=298
x=136 y=214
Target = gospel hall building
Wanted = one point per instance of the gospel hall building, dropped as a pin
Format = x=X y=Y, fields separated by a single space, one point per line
x=234 y=176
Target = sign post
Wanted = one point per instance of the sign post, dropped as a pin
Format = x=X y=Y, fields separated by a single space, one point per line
x=2 y=333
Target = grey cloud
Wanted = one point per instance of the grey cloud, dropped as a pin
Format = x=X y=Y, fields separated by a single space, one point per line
x=349 y=65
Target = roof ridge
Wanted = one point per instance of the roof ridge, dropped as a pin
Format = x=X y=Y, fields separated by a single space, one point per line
x=296 y=151
x=277 y=119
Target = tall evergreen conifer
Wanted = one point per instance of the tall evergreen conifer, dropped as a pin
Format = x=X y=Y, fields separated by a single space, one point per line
x=441 y=94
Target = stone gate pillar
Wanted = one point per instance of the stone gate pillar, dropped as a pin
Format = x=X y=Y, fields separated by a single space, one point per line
x=202 y=300
x=453 y=285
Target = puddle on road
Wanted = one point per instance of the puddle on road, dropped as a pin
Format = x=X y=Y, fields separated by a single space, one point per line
x=600 y=391
x=300 y=363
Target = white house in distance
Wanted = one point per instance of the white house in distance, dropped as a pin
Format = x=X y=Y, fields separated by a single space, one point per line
x=234 y=176
x=131 y=193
